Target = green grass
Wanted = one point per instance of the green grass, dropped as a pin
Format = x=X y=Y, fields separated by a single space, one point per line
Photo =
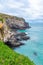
x=10 y=57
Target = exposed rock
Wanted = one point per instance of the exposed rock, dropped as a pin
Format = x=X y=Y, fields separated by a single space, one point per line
x=22 y=36
x=25 y=37
x=14 y=44
x=17 y=24
x=9 y=34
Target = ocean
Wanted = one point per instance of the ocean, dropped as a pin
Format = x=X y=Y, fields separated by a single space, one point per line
x=33 y=48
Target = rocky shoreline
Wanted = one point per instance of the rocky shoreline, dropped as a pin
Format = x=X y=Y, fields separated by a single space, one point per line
x=12 y=24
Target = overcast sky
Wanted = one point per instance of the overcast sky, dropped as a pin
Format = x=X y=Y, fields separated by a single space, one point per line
x=29 y=9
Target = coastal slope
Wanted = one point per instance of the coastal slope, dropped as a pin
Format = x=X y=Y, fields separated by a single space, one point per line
x=9 y=31
x=9 y=36
x=10 y=57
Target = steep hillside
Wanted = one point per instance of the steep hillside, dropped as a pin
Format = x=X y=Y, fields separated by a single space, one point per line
x=10 y=57
x=8 y=31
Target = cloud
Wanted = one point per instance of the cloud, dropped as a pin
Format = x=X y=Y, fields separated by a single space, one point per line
x=29 y=9
x=34 y=10
x=1 y=7
x=36 y=7
x=14 y=4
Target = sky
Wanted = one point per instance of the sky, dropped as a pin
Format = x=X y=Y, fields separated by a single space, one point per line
x=28 y=9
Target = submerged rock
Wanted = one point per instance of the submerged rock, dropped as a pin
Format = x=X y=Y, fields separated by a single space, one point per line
x=35 y=53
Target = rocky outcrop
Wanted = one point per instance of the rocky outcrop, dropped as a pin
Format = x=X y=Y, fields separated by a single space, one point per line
x=17 y=24
x=22 y=36
x=9 y=33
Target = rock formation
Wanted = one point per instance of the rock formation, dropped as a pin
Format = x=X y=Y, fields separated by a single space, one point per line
x=9 y=33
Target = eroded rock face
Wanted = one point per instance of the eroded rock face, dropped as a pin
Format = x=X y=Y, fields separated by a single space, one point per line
x=9 y=33
x=17 y=24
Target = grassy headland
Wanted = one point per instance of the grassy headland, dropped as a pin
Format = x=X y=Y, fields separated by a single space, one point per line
x=10 y=57
x=7 y=55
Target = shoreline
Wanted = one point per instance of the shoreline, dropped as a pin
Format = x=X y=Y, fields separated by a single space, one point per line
x=12 y=38
x=11 y=26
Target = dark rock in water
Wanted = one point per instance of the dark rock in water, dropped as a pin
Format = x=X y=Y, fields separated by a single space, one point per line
x=25 y=37
x=35 y=53
x=18 y=38
x=18 y=44
x=21 y=36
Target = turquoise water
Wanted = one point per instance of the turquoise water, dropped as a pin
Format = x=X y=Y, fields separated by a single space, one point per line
x=33 y=48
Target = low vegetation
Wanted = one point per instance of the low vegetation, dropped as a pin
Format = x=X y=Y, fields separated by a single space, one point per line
x=10 y=57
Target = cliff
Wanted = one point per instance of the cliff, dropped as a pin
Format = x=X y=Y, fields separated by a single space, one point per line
x=8 y=31
x=15 y=22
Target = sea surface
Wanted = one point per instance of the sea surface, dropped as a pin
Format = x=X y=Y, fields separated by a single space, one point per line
x=33 y=48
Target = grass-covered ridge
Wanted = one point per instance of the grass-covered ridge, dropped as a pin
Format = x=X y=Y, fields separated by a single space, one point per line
x=10 y=57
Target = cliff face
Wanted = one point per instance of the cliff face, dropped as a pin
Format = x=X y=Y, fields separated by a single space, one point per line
x=15 y=22
x=9 y=34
